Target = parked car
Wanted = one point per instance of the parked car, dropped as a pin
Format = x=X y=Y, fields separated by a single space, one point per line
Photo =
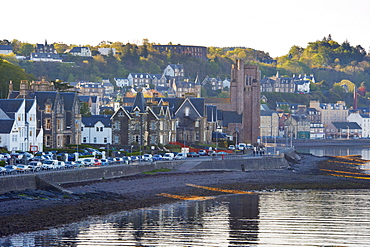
x=35 y=166
x=168 y=156
x=79 y=163
x=10 y=168
x=104 y=162
x=126 y=159
x=97 y=162
x=88 y=161
x=157 y=157
x=202 y=152
x=147 y=157
x=70 y=164
x=61 y=165
x=180 y=156
x=23 y=168
x=49 y=164
x=2 y=170
x=193 y=154
x=232 y=147
x=135 y=158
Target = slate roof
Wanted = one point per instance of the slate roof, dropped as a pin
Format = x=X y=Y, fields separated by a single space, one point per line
x=345 y=125
x=139 y=102
x=211 y=113
x=230 y=117
x=6 y=126
x=6 y=47
x=46 y=55
x=91 y=121
x=43 y=96
x=68 y=98
x=267 y=113
x=10 y=106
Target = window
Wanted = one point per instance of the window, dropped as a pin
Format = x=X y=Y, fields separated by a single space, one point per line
x=116 y=139
x=48 y=109
x=48 y=123
x=105 y=139
x=187 y=111
x=101 y=129
x=59 y=125
x=97 y=129
x=84 y=139
x=95 y=139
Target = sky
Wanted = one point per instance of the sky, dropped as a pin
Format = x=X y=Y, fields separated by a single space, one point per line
x=273 y=26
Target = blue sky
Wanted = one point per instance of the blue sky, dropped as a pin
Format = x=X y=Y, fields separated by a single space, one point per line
x=269 y=25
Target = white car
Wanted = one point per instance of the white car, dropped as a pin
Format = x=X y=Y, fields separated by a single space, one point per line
x=147 y=157
x=168 y=156
x=61 y=165
x=180 y=156
x=49 y=164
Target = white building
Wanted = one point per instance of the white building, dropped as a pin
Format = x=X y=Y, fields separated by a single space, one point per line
x=363 y=120
x=81 y=51
x=18 y=125
x=122 y=82
x=96 y=130
x=107 y=51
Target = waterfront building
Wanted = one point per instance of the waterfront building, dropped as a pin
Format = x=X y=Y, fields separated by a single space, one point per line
x=96 y=130
x=331 y=112
x=363 y=120
x=18 y=125
x=343 y=130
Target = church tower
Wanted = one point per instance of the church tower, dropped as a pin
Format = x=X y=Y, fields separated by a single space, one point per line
x=245 y=95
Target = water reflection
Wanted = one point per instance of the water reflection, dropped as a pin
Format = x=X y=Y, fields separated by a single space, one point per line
x=364 y=151
x=282 y=218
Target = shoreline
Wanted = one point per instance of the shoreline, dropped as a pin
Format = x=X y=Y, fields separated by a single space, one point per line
x=37 y=210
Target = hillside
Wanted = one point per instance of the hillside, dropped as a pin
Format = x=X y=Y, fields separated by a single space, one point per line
x=329 y=61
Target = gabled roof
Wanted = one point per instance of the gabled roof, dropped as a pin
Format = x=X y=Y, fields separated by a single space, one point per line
x=91 y=121
x=6 y=125
x=44 y=96
x=69 y=98
x=10 y=106
x=139 y=103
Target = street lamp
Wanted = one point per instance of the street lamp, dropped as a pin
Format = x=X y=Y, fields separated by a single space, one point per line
x=347 y=132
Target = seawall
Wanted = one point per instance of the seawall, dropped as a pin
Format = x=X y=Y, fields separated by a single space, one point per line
x=55 y=179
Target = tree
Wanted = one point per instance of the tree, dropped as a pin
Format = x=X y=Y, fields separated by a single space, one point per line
x=85 y=109
x=25 y=49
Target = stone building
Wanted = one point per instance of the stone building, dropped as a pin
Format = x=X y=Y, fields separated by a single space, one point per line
x=243 y=104
x=58 y=113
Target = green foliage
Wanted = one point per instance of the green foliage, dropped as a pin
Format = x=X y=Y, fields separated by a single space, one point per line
x=10 y=72
x=85 y=109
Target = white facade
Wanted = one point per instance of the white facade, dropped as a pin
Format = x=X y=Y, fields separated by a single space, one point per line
x=97 y=134
x=363 y=120
x=122 y=82
x=106 y=51
x=22 y=136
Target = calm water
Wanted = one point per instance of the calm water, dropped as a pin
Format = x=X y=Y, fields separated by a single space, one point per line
x=337 y=150
x=266 y=218
x=282 y=218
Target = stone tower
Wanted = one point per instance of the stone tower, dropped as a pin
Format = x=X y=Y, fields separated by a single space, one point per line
x=245 y=99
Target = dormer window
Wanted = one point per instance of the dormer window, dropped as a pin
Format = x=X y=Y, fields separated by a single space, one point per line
x=187 y=111
x=47 y=108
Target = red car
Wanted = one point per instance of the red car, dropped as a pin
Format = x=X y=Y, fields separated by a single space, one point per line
x=97 y=162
